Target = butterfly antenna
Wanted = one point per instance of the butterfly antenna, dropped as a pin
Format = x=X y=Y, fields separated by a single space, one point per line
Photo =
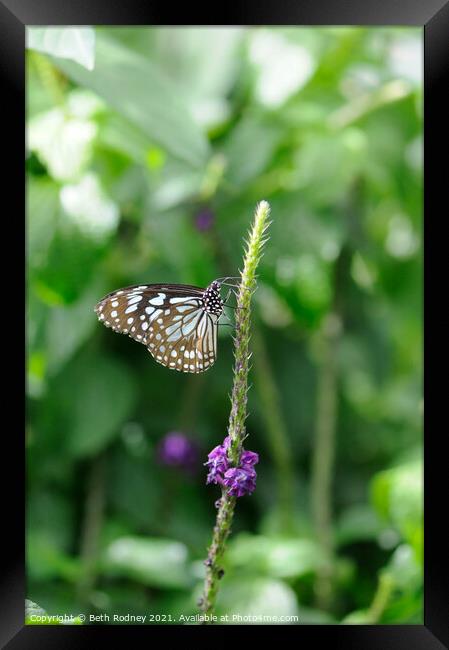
x=228 y=277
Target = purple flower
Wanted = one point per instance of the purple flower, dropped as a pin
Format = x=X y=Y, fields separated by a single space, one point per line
x=204 y=220
x=240 y=481
x=217 y=464
x=249 y=459
x=177 y=450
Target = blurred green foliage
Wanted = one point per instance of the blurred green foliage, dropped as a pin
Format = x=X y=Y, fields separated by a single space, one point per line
x=132 y=134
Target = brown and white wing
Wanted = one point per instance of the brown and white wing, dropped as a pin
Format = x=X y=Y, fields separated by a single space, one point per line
x=185 y=340
x=170 y=321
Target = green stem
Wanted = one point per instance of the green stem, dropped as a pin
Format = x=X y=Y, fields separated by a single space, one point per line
x=236 y=427
x=277 y=435
x=327 y=398
x=212 y=177
x=381 y=598
x=93 y=521
x=323 y=456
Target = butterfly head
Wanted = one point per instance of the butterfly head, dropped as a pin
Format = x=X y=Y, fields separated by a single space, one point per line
x=213 y=302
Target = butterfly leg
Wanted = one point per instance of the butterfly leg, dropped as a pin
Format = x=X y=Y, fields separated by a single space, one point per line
x=225 y=302
x=230 y=323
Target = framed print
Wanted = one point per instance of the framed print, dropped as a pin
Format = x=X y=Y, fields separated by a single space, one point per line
x=246 y=199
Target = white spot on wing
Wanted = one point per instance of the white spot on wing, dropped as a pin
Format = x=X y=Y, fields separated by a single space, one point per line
x=159 y=300
x=155 y=315
x=172 y=328
x=134 y=299
x=175 y=336
x=188 y=301
x=189 y=327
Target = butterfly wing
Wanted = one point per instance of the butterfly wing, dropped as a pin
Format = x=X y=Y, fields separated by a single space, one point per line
x=169 y=319
x=185 y=340
x=126 y=310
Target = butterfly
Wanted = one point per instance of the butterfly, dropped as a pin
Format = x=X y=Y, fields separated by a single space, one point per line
x=177 y=323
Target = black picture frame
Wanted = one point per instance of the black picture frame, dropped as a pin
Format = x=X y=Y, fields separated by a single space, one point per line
x=433 y=16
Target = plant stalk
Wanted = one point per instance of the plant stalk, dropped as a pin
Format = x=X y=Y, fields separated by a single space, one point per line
x=325 y=440
x=237 y=417
x=92 y=524
x=323 y=457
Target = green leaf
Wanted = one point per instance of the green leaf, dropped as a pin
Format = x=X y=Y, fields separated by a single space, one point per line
x=38 y=99
x=35 y=615
x=50 y=527
x=75 y=43
x=178 y=184
x=63 y=339
x=134 y=490
x=65 y=246
x=327 y=164
x=71 y=260
x=50 y=514
x=46 y=562
x=105 y=395
x=135 y=87
x=249 y=148
x=193 y=260
x=154 y=562
x=309 y=616
x=63 y=142
x=404 y=575
x=397 y=494
x=407 y=609
x=50 y=530
x=407 y=505
x=247 y=601
x=380 y=493
x=33 y=609
x=85 y=223
x=358 y=617
x=280 y=558
x=124 y=136
x=89 y=208
x=42 y=214
x=313 y=284
x=404 y=569
x=357 y=523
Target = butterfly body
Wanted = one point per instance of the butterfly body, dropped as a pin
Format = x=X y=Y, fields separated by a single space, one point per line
x=213 y=303
x=176 y=322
